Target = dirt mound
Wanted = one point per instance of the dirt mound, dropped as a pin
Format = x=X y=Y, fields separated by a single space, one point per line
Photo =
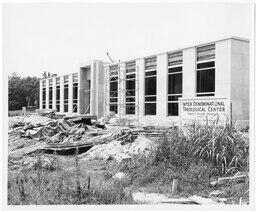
x=116 y=150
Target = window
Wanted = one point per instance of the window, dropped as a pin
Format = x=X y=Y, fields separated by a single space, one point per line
x=150 y=85
x=130 y=87
x=58 y=94
x=75 y=92
x=113 y=88
x=65 y=93
x=44 y=94
x=205 y=74
x=50 y=93
x=174 y=82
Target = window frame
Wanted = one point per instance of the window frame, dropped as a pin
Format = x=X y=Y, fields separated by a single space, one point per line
x=43 y=94
x=57 y=91
x=204 y=61
x=50 y=94
x=130 y=70
x=65 y=100
x=113 y=94
x=75 y=100
x=150 y=68
x=177 y=64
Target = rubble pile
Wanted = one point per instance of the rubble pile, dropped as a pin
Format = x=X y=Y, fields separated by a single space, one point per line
x=115 y=149
x=30 y=134
x=35 y=120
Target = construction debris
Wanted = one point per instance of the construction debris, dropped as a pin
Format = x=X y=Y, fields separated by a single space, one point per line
x=35 y=120
x=202 y=200
x=225 y=180
x=115 y=149
x=149 y=198
x=154 y=198
x=119 y=176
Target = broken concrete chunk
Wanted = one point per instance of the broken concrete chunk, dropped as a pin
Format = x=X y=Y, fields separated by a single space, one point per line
x=119 y=175
x=149 y=198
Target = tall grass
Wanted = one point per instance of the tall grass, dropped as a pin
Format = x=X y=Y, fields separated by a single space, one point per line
x=221 y=146
x=194 y=157
x=45 y=185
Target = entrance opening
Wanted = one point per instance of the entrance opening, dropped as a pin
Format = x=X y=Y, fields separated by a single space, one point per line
x=85 y=89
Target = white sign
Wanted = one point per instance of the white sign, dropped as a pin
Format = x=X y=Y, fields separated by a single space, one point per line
x=204 y=110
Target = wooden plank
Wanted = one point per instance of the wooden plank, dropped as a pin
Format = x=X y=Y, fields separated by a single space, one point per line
x=179 y=201
x=202 y=200
x=225 y=180
x=27 y=150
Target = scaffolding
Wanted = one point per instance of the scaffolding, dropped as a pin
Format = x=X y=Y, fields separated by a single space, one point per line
x=122 y=92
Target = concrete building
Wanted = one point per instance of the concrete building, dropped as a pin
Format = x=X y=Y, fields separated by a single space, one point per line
x=82 y=92
x=149 y=88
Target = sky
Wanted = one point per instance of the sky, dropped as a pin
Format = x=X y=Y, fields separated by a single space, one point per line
x=61 y=37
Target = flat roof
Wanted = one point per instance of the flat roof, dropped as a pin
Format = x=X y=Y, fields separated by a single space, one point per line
x=88 y=63
x=180 y=49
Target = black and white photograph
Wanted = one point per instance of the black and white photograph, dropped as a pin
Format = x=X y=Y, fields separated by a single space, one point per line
x=128 y=104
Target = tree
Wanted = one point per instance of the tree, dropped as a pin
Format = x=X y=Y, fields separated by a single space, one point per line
x=22 y=92
x=48 y=74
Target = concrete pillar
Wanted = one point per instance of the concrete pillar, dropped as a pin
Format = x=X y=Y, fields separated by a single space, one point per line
x=96 y=70
x=47 y=93
x=162 y=80
x=41 y=94
x=140 y=94
x=54 y=93
x=107 y=95
x=79 y=95
x=70 y=93
x=93 y=89
x=101 y=89
x=61 y=94
x=223 y=68
x=240 y=89
x=189 y=73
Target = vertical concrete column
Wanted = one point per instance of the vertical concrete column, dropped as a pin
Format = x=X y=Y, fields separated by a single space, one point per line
x=189 y=73
x=41 y=94
x=92 y=91
x=161 y=93
x=122 y=90
x=101 y=88
x=140 y=93
x=54 y=93
x=223 y=68
x=107 y=90
x=47 y=94
x=96 y=106
x=79 y=93
x=61 y=94
x=239 y=80
x=70 y=93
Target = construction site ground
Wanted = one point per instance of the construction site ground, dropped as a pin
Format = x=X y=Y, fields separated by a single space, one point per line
x=97 y=163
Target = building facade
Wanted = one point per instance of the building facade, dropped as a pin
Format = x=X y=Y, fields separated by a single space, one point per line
x=79 y=93
x=149 y=88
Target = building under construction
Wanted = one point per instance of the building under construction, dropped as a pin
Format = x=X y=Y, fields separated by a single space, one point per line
x=150 y=87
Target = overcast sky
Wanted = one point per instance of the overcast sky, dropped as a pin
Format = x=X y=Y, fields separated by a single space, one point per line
x=59 y=37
